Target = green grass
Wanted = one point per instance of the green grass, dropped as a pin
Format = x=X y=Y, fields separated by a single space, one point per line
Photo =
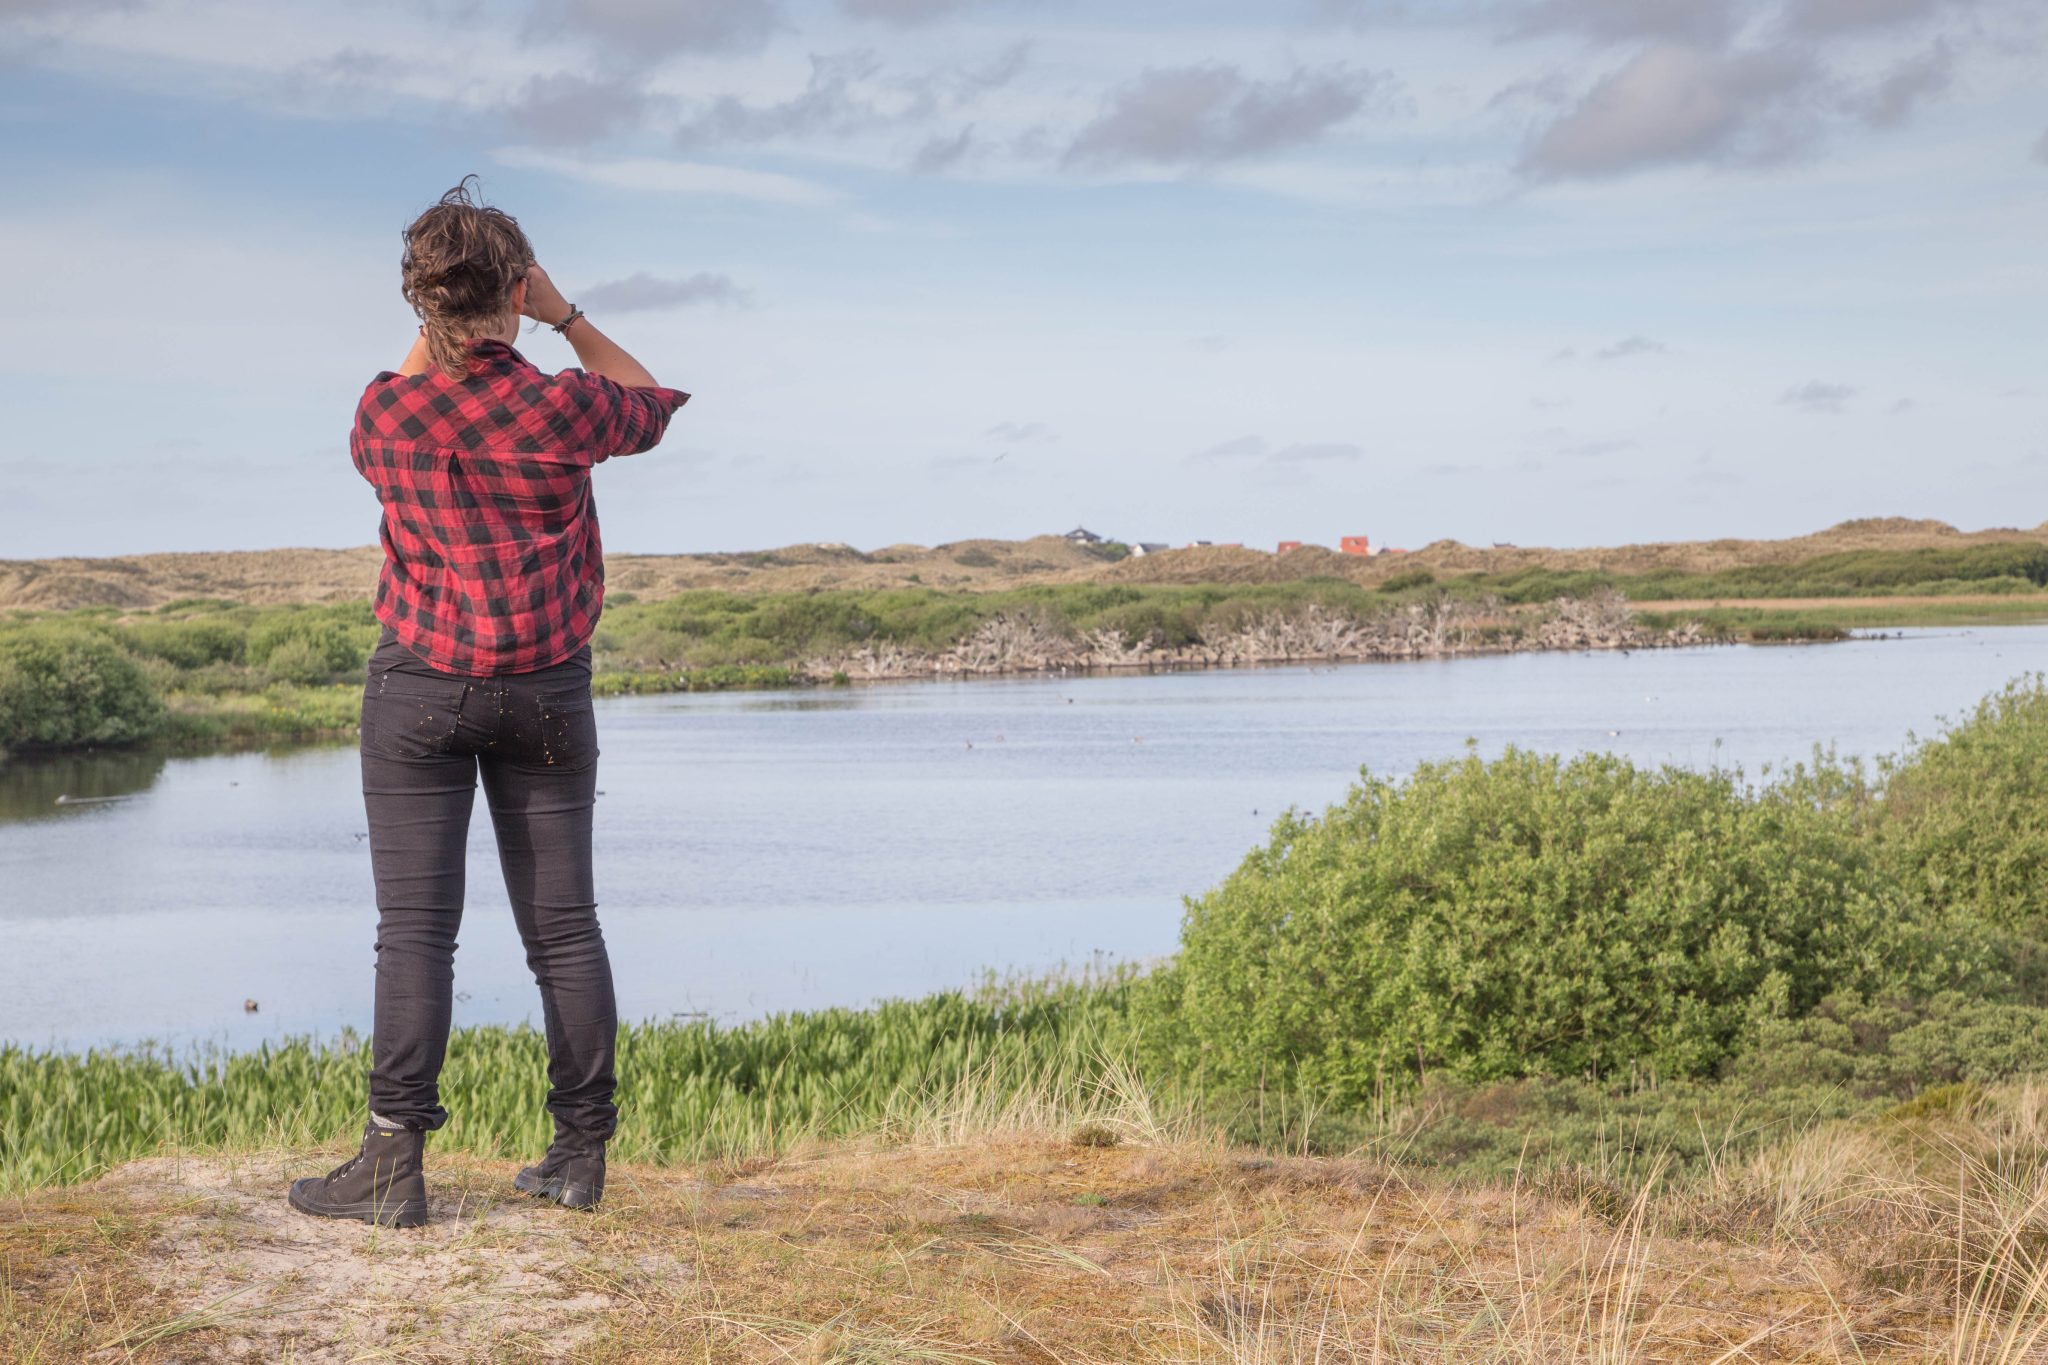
x=693 y=1090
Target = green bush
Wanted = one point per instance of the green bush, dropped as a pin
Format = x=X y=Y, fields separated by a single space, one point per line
x=1890 y=1049
x=1413 y=578
x=307 y=646
x=1533 y=916
x=301 y=662
x=1964 y=823
x=61 y=685
x=190 y=644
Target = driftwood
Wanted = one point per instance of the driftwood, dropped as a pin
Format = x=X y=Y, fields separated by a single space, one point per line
x=1436 y=628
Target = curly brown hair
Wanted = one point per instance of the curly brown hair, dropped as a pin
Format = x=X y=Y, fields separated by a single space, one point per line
x=462 y=258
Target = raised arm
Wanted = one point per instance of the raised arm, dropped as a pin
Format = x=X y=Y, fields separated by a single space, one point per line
x=595 y=352
x=417 y=361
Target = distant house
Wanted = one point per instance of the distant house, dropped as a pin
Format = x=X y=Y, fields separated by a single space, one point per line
x=1081 y=535
x=1355 y=545
x=1149 y=547
x=1287 y=545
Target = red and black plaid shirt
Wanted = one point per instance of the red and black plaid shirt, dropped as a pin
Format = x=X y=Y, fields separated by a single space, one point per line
x=491 y=556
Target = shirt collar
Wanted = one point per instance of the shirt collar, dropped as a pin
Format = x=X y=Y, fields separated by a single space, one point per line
x=494 y=353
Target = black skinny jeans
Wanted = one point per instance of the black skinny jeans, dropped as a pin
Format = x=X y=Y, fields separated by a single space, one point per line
x=426 y=735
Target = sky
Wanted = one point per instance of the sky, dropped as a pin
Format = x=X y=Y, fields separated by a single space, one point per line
x=1564 y=272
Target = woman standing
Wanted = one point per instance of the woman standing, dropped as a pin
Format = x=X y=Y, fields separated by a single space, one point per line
x=492 y=583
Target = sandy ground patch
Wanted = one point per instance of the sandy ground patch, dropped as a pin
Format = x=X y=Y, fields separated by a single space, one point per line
x=484 y=1279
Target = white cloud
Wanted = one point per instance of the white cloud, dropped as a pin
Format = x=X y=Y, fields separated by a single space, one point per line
x=1316 y=452
x=657 y=176
x=1630 y=346
x=1676 y=103
x=838 y=97
x=943 y=153
x=639 y=31
x=1020 y=432
x=1912 y=82
x=568 y=109
x=1199 y=115
x=903 y=11
x=1236 y=448
x=642 y=292
x=1818 y=397
x=1827 y=17
x=1255 y=448
x=1624 y=20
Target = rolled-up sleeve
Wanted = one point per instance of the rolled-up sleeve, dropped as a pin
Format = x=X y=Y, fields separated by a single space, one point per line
x=612 y=419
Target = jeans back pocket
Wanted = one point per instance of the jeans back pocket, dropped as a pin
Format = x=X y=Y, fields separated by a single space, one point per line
x=566 y=721
x=407 y=716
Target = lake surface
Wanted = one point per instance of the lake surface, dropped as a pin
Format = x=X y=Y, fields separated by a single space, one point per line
x=767 y=851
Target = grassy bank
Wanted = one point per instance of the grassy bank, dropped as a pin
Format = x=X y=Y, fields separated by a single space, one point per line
x=698 y=1091
x=202 y=671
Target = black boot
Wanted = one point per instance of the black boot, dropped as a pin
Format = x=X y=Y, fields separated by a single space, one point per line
x=571 y=1174
x=382 y=1183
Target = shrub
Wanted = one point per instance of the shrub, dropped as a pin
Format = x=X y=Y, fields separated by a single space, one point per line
x=1532 y=916
x=1414 y=578
x=307 y=646
x=190 y=644
x=61 y=685
x=300 y=661
x=1964 y=822
x=1895 y=1048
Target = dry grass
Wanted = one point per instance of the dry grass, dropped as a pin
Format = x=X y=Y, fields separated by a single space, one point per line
x=266 y=577
x=273 y=576
x=1221 y=564
x=1077 y=1228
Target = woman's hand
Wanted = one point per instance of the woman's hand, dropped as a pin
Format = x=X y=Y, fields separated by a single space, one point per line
x=544 y=303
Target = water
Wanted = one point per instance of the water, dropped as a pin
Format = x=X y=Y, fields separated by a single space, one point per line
x=768 y=851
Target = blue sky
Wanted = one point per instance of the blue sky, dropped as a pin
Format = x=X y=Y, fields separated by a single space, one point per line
x=1544 y=271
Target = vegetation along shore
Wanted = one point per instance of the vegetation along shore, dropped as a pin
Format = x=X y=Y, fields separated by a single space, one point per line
x=1524 y=1059
x=92 y=653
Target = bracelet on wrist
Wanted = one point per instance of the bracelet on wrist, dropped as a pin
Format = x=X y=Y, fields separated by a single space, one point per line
x=574 y=313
